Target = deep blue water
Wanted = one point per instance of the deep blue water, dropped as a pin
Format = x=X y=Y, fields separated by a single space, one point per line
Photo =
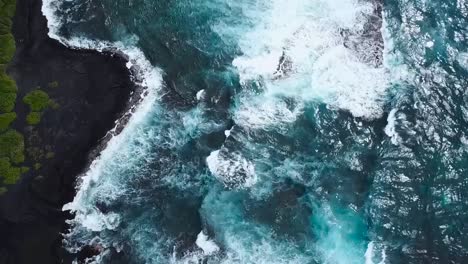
x=273 y=131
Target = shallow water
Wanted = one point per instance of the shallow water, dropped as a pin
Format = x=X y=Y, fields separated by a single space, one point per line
x=302 y=131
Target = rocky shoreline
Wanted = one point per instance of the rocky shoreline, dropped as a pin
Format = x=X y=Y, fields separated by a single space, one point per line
x=92 y=90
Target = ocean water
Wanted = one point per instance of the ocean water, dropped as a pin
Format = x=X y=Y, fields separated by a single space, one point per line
x=274 y=131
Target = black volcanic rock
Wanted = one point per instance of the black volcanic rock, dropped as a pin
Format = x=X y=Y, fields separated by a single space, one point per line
x=92 y=93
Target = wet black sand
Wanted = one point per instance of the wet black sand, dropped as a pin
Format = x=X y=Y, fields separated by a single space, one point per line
x=93 y=91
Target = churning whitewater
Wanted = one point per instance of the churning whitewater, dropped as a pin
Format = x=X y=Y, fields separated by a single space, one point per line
x=273 y=131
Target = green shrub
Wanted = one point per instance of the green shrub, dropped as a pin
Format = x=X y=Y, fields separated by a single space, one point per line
x=7 y=48
x=13 y=175
x=7 y=85
x=8 y=8
x=53 y=84
x=54 y=105
x=7 y=102
x=6 y=119
x=33 y=118
x=37 y=100
x=11 y=142
x=12 y=146
x=4 y=166
x=9 y=174
x=50 y=155
x=37 y=166
x=5 y=25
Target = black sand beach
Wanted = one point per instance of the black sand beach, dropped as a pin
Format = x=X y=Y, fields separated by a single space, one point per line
x=91 y=90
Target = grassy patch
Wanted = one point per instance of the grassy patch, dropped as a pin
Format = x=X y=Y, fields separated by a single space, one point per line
x=12 y=146
x=6 y=119
x=37 y=100
x=33 y=118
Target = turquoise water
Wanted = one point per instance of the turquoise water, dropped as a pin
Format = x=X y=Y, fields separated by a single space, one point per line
x=301 y=131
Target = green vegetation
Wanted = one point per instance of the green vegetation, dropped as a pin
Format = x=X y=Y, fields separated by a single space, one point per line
x=37 y=100
x=7 y=91
x=33 y=118
x=7 y=85
x=53 y=84
x=5 y=25
x=7 y=102
x=37 y=165
x=54 y=105
x=7 y=48
x=10 y=174
x=7 y=42
x=50 y=155
x=11 y=141
x=12 y=146
x=24 y=169
x=6 y=119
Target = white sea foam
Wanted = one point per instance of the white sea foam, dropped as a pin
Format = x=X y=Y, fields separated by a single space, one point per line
x=227 y=133
x=462 y=58
x=200 y=94
x=49 y=9
x=371 y=254
x=393 y=60
x=232 y=169
x=264 y=112
x=208 y=246
x=390 y=129
x=195 y=123
x=316 y=65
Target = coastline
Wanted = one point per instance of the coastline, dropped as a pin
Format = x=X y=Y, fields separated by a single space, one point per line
x=95 y=94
